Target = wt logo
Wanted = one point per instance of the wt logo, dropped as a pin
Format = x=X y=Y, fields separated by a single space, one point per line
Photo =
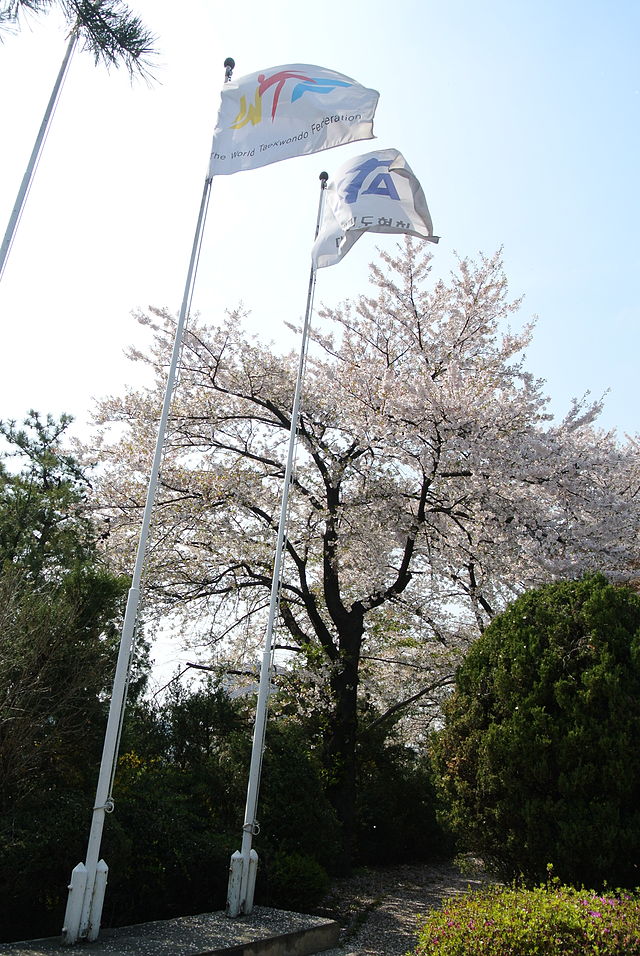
x=381 y=185
x=252 y=112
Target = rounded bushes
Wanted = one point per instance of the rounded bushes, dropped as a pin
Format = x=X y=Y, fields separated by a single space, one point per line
x=539 y=756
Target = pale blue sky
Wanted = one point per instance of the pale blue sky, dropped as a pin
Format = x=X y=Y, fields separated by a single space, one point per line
x=520 y=119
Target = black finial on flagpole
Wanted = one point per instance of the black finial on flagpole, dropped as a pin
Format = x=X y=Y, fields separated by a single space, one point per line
x=323 y=180
x=229 y=65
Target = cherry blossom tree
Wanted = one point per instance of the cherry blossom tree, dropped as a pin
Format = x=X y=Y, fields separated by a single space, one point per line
x=431 y=487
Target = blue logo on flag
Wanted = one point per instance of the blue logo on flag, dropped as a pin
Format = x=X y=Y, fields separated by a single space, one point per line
x=381 y=185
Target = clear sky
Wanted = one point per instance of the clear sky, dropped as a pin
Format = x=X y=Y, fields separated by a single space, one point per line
x=520 y=119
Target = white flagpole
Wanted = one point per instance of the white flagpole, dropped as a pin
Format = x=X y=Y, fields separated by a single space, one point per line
x=27 y=179
x=88 y=881
x=244 y=863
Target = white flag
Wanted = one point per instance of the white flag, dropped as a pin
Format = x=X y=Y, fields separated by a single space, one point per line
x=288 y=111
x=376 y=192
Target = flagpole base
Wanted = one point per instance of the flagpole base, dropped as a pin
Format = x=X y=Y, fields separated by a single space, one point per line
x=242 y=883
x=80 y=888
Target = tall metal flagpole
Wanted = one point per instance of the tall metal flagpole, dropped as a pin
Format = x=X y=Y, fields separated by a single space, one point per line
x=244 y=862
x=27 y=179
x=89 y=880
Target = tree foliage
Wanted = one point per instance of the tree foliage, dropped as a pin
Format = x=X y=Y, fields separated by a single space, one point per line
x=108 y=29
x=539 y=754
x=59 y=611
x=56 y=658
x=431 y=487
x=45 y=527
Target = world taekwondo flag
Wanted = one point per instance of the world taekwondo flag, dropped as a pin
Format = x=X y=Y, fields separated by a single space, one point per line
x=376 y=192
x=288 y=111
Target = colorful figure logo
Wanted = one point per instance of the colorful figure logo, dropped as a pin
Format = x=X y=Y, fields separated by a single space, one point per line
x=252 y=112
x=380 y=185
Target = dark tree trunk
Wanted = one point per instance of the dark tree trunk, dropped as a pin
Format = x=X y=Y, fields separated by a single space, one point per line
x=340 y=746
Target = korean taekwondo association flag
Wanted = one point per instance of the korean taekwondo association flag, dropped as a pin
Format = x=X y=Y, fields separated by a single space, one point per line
x=288 y=111
x=376 y=192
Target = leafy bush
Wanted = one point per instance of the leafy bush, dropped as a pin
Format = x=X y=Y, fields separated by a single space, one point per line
x=396 y=806
x=294 y=810
x=168 y=852
x=37 y=843
x=552 y=919
x=539 y=756
x=180 y=795
x=295 y=881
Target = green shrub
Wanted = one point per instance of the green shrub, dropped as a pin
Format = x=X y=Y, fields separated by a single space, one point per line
x=396 y=807
x=36 y=844
x=539 y=757
x=295 y=882
x=168 y=851
x=552 y=919
x=180 y=794
x=294 y=812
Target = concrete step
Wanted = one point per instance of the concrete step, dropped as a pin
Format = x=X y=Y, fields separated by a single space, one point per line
x=266 y=932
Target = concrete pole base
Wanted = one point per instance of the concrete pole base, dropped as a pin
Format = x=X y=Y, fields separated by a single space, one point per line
x=242 y=883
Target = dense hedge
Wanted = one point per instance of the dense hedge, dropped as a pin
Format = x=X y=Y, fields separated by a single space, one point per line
x=540 y=753
x=179 y=801
x=396 y=818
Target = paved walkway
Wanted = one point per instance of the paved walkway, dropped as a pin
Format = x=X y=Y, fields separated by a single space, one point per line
x=380 y=910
